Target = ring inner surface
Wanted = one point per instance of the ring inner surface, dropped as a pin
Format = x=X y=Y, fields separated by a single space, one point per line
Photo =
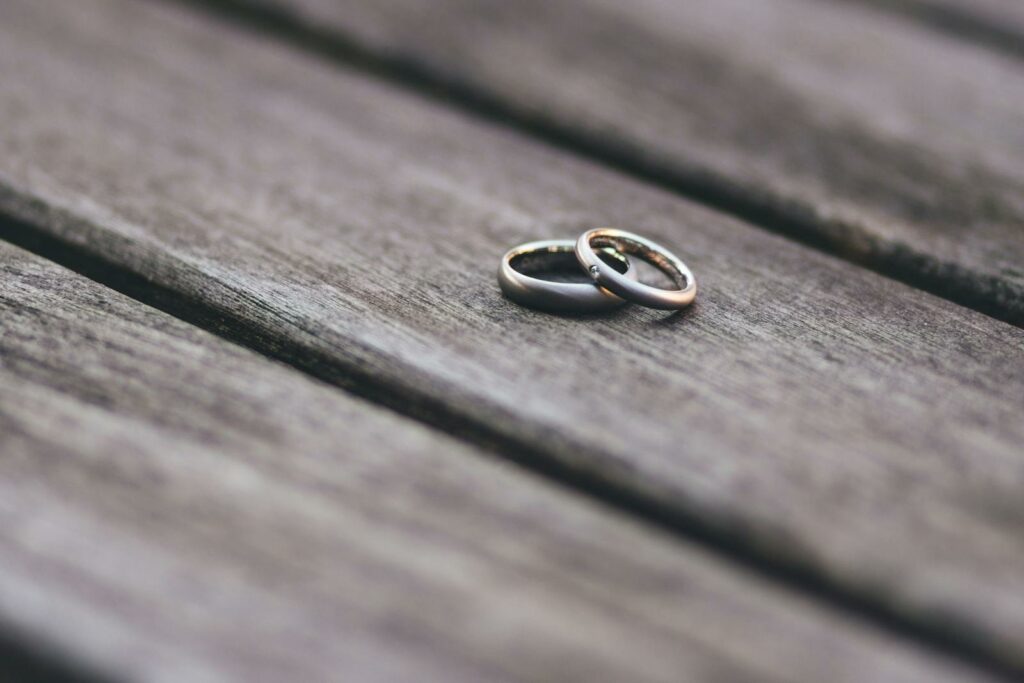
x=655 y=258
x=561 y=265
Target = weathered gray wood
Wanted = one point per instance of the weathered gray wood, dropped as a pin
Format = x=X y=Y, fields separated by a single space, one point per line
x=810 y=411
x=996 y=23
x=1006 y=14
x=176 y=508
x=884 y=141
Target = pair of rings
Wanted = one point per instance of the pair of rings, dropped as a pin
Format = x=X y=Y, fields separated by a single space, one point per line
x=603 y=254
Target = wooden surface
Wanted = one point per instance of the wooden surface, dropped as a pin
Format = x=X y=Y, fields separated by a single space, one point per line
x=353 y=230
x=997 y=24
x=873 y=137
x=200 y=512
x=814 y=473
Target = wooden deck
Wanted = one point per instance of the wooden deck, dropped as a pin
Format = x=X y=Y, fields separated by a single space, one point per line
x=264 y=414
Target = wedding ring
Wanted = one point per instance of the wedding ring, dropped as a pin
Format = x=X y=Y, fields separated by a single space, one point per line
x=629 y=288
x=560 y=297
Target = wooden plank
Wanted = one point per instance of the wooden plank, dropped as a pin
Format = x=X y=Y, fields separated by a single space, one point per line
x=805 y=413
x=177 y=508
x=1008 y=14
x=877 y=139
x=996 y=23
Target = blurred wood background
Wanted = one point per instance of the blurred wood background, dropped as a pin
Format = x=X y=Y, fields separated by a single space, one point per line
x=264 y=414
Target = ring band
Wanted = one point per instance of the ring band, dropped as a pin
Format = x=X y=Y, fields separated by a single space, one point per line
x=560 y=297
x=629 y=288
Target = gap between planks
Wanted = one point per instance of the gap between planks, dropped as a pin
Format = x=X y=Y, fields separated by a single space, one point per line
x=963 y=20
x=24 y=660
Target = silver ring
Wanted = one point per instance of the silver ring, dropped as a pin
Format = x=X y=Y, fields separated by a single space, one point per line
x=561 y=297
x=628 y=288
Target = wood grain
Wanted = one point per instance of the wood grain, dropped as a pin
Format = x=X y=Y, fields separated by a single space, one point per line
x=805 y=412
x=872 y=137
x=177 y=508
x=998 y=24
